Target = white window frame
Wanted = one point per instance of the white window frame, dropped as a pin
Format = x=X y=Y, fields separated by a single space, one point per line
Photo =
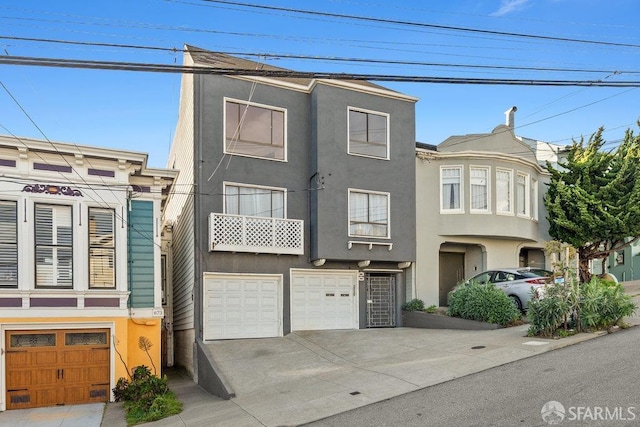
x=7 y=279
x=259 y=187
x=487 y=178
x=368 y=192
x=460 y=197
x=526 y=197
x=511 y=198
x=111 y=248
x=368 y=112
x=253 y=104
x=534 y=199
x=55 y=260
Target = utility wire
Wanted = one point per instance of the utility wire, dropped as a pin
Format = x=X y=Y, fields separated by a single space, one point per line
x=324 y=58
x=421 y=24
x=282 y=73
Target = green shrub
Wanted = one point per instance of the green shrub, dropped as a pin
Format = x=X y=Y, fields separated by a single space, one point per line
x=552 y=311
x=413 y=305
x=485 y=303
x=146 y=397
x=594 y=305
x=431 y=309
x=603 y=305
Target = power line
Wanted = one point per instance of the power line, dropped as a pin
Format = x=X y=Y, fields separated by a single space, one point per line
x=282 y=73
x=421 y=24
x=325 y=58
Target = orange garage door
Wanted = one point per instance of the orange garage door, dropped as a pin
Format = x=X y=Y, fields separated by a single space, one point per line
x=57 y=367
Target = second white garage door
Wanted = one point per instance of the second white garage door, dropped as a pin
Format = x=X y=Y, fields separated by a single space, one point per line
x=242 y=306
x=324 y=299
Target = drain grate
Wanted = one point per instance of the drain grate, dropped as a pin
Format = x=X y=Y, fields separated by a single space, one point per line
x=477 y=347
x=354 y=393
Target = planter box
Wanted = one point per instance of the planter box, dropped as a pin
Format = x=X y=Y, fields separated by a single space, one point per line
x=420 y=319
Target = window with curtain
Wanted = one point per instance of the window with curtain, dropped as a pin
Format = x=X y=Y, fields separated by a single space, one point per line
x=254 y=201
x=8 y=244
x=254 y=131
x=503 y=191
x=54 y=246
x=451 y=179
x=102 y=250
x=479 y=188
x=368 y=214
x=521 y=194
x=368 y=134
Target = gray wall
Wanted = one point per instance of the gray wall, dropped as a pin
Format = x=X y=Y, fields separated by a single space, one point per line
x=339 y=171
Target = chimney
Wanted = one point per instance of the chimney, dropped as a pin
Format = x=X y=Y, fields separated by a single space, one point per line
x=510 y=113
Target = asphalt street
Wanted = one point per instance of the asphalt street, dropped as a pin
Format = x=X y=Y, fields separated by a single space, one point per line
x=595 y=382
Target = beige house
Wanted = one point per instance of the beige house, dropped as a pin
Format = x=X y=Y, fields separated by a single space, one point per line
x=487 y=211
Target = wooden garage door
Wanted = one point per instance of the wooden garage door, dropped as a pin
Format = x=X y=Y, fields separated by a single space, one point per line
x=57 y=367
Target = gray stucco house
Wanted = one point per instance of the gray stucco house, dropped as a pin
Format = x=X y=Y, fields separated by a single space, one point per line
x=294 y=208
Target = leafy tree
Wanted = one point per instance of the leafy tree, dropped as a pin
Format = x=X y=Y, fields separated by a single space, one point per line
x=593 y=200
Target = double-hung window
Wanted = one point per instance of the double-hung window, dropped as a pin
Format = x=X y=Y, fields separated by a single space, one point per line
x=255 y=130
x=8 y=244
x=368 y=214
x=522 y=194
x=368 y=134
x=102 y=249
x=54 y=246
x=451 y=188
x=479 y=187
x=504 y=189
x=254 y=201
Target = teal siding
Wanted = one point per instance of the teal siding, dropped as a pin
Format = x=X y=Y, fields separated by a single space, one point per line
x=141 y=250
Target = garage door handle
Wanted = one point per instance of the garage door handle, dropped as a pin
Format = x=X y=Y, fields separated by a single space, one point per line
x=17 y=389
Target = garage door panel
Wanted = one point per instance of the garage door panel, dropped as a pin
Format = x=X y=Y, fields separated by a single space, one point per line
x=323 y=300
x=44 y=371
x=242 y=306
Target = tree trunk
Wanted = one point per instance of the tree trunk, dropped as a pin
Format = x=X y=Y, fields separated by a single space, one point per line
x=583 y=266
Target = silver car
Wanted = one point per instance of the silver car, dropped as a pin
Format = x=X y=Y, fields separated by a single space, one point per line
x=517 y=283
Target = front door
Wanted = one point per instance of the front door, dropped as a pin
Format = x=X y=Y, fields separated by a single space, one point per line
x=381 y=300
x=451 y=272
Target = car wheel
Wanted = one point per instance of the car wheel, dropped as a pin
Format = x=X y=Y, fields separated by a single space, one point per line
x=517 y=302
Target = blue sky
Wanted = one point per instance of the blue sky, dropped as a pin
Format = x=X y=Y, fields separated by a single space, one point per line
x=138 y=111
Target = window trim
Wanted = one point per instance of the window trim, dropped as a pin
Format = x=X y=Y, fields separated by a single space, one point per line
x=259 y=105
x=17 y=245
x=35 y=246
x=487 y=210
x=89 y=247
x=527 y=196
x=387 y=138
x=461 y=197
x=534 y=191
x=262 y=187
x=368 y=192
x=511 y=210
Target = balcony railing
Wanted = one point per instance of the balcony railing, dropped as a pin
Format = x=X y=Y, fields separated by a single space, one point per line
x=238 y=233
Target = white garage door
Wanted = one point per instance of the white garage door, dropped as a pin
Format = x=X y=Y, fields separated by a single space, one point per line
x=242 y=306
x=324 y=300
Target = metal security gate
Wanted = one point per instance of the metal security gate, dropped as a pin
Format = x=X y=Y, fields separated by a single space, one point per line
x=381 y=300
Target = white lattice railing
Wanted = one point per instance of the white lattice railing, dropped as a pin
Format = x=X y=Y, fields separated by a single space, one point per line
x=238 y=233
